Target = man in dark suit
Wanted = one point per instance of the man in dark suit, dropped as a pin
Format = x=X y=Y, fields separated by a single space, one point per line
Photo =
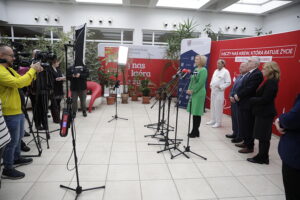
x=235 y=136
x=250 y=83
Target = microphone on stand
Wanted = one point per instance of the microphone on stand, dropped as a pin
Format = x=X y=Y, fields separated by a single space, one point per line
x=185 y=72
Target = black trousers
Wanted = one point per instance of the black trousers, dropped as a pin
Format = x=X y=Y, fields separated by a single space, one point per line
x=246 y=127
x=196 y=125
x=291 y=177
x=235 y=120
x=55 y=109
x=263 y=149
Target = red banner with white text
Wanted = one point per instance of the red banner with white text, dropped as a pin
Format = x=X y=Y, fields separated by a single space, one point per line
x=282 y=48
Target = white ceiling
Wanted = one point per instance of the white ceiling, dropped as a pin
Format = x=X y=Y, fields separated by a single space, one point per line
x=212 y=5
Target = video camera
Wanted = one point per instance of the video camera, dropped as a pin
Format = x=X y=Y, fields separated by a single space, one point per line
x=21 y=58
x=44 y=57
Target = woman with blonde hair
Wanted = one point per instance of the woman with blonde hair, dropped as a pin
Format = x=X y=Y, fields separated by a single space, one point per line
x=263 y=108
x=198 y=92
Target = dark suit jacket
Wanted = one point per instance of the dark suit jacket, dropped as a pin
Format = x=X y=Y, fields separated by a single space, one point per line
x=236 y=85
x=78 y=84
x=263 y=104
x=250 y=83
x=289 y=143
x=58 y=85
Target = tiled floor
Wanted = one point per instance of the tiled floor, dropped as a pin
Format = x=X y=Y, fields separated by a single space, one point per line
x=118 y=156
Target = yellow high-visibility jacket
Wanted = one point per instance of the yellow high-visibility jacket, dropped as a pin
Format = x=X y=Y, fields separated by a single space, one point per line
x=9 y=85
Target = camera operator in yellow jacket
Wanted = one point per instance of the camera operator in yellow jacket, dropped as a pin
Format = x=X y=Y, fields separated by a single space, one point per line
x=11 y=81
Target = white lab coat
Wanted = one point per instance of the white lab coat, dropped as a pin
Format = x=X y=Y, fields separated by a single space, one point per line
x=221 y=78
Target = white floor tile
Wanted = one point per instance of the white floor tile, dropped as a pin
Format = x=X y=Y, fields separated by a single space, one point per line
x=14 y=191
x=183 y=171
x=92 y=172
x=122 y=190
x=159 y=189
x=194 y=189
x=241 y=168
x=154 y=171
x=54 y=173
x=213 y=169
x=265 y=187
x=123 y=158
x=228 y=187
x=150 y=158
x=46 y=191
x=123 y=172
x=95 y=158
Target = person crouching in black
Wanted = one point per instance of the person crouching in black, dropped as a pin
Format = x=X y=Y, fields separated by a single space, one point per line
x=58 y=92
x=78 y=76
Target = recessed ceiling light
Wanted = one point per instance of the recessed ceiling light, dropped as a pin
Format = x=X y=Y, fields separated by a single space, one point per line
x=191 y=4
x=255 y=9
x=101 y=1
x=253 y=1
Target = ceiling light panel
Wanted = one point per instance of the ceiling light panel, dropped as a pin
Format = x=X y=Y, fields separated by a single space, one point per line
x=190 y=4
x=253 y=1
x=101 y=1
x=255 y=9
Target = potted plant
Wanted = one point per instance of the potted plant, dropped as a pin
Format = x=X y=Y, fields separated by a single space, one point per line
x=125 y=94
x=184 y=30
x=145 y=91
x=134 y=88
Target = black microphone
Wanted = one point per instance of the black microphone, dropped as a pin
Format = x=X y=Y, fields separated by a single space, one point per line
x=3 y=60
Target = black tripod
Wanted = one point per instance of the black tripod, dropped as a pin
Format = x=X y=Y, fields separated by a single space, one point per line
x=117 y=84
x=187 y=148
x=36 y=141
x=43 y=86
x=78 y=188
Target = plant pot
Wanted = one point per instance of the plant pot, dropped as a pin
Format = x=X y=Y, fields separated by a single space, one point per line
x=146 y=100
x=110 y=100
x=124 y=98
x=113 y=95
x=134 y=97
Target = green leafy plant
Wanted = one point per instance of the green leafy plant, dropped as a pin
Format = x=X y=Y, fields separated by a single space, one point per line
x=184 y=30
x=144 y=87
x=211 y=34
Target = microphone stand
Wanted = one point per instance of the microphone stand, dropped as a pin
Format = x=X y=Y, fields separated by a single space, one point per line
x=78 y=189
x=117 y=84
x=187 y=148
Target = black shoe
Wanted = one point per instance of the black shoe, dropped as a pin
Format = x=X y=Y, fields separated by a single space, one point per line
x=192 y=136
x=230 y=136
x=12 y=174
x=26 y=134
x=246 y=150
x=84 y=113
x=258 y=160
x=241 y=145
x=24 y=147
x=22 y=161
x=236 y=140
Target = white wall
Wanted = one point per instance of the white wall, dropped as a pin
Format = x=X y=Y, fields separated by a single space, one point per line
x=283 y=21
x=2 y=11
x=135 y=18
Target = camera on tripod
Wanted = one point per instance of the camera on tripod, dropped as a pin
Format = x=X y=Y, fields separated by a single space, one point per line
x=21 y=58
x=44 y=57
